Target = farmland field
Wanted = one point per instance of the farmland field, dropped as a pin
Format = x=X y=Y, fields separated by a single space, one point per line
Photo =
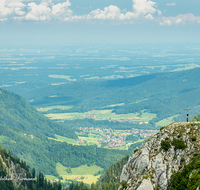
x=53 y=107
x=62 y=77
x=83 y=171
x=166 y=121
x=65 y=139
x=102 y=115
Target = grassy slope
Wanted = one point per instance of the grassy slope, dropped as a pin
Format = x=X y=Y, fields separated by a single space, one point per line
x=82 y=171
x=43 y=154
x=16 y=111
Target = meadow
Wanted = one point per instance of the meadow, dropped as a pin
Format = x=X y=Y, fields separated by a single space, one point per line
x=89 y=172
x=45 y=109
x=166 y=121
x=102 y=115
x=69 y=78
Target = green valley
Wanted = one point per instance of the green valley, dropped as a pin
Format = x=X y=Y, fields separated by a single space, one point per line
x=43 y=143
x=121 y=98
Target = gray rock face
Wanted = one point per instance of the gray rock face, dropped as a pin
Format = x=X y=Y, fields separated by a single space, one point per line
x=143 y=161
x=145 y=185
x=160 y=170
x=151 y=167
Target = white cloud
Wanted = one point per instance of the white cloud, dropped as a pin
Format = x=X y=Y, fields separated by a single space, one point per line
x=9 y=7
x=171 y=4
x=61 y=8
x=159 y=12
x=109 y=13
x=143 y=7
x=181 y=18
x=166 y=22
x=38 y=12
x=3 y=19
x=29 y=10
x=44 y=11
x=149 y=17
x=4 y=10
x=47 y=10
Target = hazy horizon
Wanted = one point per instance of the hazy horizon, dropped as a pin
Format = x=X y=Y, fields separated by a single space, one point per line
x=58 y=22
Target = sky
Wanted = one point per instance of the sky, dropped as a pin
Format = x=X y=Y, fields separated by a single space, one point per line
x=49 y=22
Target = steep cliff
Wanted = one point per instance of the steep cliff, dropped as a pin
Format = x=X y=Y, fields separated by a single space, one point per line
x=167 y=152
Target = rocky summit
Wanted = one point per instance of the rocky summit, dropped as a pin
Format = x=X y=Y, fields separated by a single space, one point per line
x=168 y=151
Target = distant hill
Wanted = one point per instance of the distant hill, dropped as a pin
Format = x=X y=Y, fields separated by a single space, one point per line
x=17 y=112
x=165 y=94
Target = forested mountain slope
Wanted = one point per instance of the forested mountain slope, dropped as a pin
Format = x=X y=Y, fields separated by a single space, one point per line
x=17 y=112
x=24 y=131
x=43 y=154
x=15 y=175
x=165 y=94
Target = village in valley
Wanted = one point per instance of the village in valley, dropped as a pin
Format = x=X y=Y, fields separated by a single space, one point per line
x=110 y=138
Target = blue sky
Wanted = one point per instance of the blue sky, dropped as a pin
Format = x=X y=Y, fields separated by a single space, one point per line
x=106 y=21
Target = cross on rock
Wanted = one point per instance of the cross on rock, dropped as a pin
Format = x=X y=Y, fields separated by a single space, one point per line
x=187 y=112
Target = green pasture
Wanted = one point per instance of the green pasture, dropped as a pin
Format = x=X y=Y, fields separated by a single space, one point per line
x=82 y=171
x=62 y=77
x=102 y=115
x=96 y=132
x=84 y=75
x=166 y=121
x=54 y=107
x=48 y=177
x=94 y=77
x=65 y=139
x=124 y=147
x=113 y=77
x=146 y=117
x=114 y=105
x=90 y=140
x=163 y=122
x=139 y=101
x=56 y=84
x=94 y=136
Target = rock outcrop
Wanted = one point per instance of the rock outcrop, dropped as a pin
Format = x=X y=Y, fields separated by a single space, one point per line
x=168 y=151
x=14 y=171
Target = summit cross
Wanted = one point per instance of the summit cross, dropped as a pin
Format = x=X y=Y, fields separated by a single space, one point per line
x=187 y=112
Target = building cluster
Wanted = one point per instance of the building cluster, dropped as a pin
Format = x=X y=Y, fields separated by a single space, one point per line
x=114 y=138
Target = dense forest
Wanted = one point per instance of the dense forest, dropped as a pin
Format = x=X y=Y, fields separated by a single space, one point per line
x=108 y=181
x=40 y=183
x=25 y=131
x=188 y=178
x=43 y=153
x=195 y=118
x=146 y=92
x=17 y=112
